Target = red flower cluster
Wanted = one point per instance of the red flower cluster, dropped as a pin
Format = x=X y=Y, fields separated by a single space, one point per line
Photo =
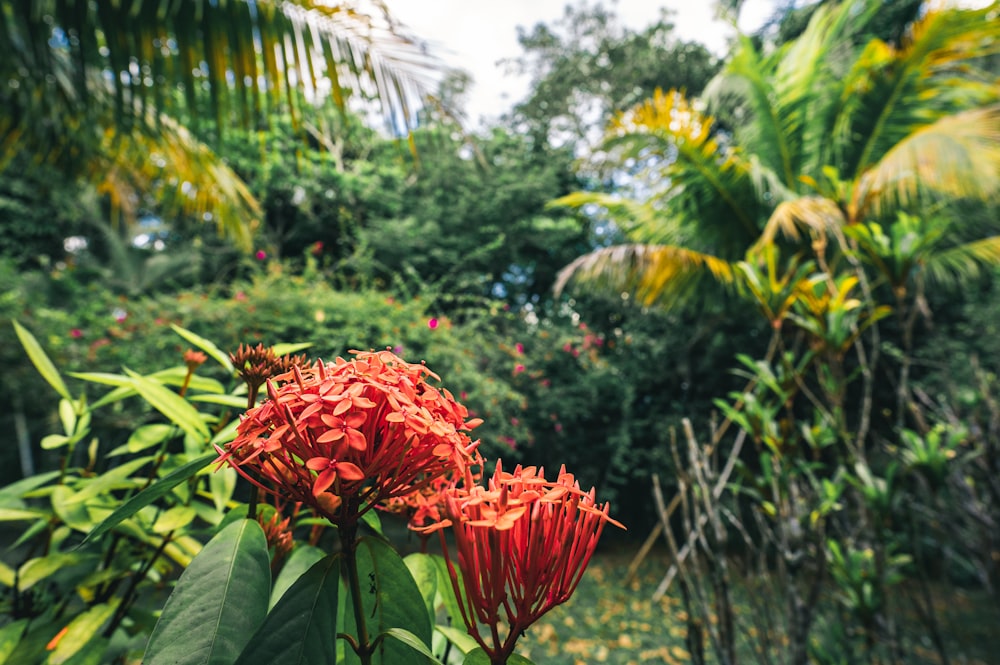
x=344 y=437
x=523 y=543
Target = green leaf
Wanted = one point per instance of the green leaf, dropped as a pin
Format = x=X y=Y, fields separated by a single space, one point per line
x=177 y=517
x=301 y=629
x=81 y=631
x=40 y=568
x=459 y=638
x=11 y=494
x=219 y=602
x=53 y=441
x=10 y=635
x=147 y=436
x=479 y=657
x=235 y=401
x=72 y=512
x=446 y=591
x=41 y=361
x=173 y=406
x=390 y=599
x=285 y=349
x=147 y=496
x=424 y=573
x=15 y=514
x=301 y=560
x=371 y=519
x=207 y=346
x=412 y=641
x=222 y=483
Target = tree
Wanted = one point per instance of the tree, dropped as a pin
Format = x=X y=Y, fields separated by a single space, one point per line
x=125 y=95
x=587 y=66
x=826 y=140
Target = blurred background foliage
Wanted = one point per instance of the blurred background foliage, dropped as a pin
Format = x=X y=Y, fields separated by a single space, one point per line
x=748 y=218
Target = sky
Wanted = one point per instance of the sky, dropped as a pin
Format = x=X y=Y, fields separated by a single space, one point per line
x=475 y=34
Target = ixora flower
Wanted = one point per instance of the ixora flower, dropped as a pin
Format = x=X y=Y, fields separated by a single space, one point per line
x=347 y=436
x=523 y=543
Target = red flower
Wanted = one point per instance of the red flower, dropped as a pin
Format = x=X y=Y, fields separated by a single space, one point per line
x=523 y=544
x=344 y=437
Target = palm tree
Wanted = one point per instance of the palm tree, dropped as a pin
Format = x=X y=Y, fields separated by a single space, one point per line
x=825 y=137
x=130 y=95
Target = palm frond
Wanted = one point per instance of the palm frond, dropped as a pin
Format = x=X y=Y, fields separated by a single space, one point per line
x=661 y=274
x=890 y=92
x=235 y=57
x=707 y=188
x=963 y=261
x=638 y=219
x=817 y=214
x=957 y=156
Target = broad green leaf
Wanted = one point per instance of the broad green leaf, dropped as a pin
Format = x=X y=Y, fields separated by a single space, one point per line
x=479 y=657
x=390 y=599
x=170 y=404
x=10 y=635
x=157 y=490
x=301 y=560
x=80 y=631
x=219 y=602
x=301 y=629
x=424 y=573
x=94 y=652
x=223 y=484
x=41 y=361
x=207 y=346
x=371 y=519
x=446 y=590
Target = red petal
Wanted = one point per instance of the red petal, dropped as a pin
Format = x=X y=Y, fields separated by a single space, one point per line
x=349 y=471
x=324 y=480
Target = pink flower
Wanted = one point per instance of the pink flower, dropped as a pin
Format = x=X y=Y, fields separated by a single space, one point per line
x=240 y=295
x=519 y=347
x=518 y=369
x=76 y=333
x=558 y=427
x=261 y=255
x=432 y=323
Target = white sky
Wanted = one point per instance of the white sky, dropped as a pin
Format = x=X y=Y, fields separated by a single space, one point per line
x=476 y=34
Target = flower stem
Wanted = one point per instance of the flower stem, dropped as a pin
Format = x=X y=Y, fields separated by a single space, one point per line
x=348 y=543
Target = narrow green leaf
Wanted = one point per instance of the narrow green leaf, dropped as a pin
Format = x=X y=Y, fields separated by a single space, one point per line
x=147 y=496
x=11 y=495
x=459 y=638
x=301 y=560
x=10 y=635
x=171 y=405
x=219 y=602
x=103 y=378
x=81 y=631
x=41 y=361
x=222 y=484
x=176 y=518
x=144 y=437
x=371 y=518
x=235 y=401
x=207 y=346
x=412 y=641
x=53 y=441
x=289 y=348
x=302 y=627
x=40 y=568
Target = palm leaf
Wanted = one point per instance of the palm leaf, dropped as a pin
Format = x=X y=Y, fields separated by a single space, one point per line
x=963 y=261
x=708 y=190
x=957 y=156
x=817 y=214
x=654 y=273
